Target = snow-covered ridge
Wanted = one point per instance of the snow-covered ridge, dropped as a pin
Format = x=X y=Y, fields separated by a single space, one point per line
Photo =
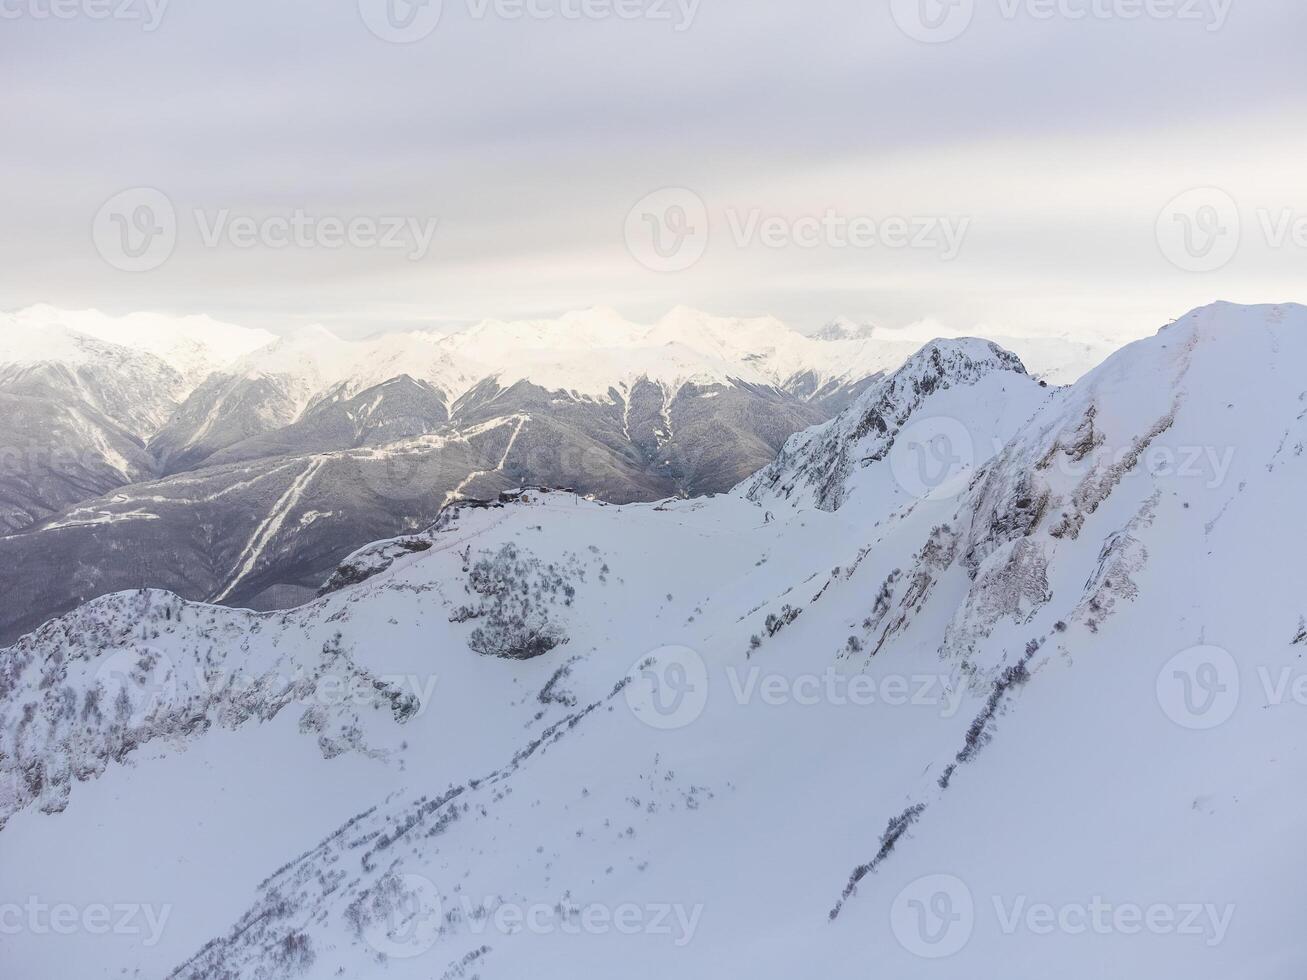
x=822 y=466
x=1024 y=737
x=193 y=346
x=842 y=328
x=586 y=352
x=135 y=369
x=99 y=685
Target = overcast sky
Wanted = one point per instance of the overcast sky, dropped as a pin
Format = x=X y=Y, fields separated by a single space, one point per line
x=1069 y=166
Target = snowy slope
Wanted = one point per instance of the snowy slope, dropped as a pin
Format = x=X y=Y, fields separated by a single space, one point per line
x=75 y=411
x=194 y=346
x=979 y=395
x=133 y=387
x=938 y=733
x=591 y=354
x=588 y=353
x=1055 y=355
x=842 y=328
x=691 y=404
x=591 y=357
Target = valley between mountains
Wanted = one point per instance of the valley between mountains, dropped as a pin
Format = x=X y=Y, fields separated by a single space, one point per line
x=955 y=653
x=227 y=465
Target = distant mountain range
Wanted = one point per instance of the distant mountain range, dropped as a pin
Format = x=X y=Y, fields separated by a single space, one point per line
x=981 y=677
x=231 y=465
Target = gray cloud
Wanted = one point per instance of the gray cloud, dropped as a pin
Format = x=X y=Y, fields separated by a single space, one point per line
x=530 y=139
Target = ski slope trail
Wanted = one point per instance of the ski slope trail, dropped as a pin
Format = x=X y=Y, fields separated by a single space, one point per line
x=271 y=527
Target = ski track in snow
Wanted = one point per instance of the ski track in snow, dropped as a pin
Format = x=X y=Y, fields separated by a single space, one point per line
x=101 y=517
x=269 y=528
x=457 y=492
x=665 y=410
x=626 y=414
x=83 y=516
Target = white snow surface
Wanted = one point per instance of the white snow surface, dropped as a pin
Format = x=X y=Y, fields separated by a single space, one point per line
x=588 y=353
x=194 y=346
x=1021 y=751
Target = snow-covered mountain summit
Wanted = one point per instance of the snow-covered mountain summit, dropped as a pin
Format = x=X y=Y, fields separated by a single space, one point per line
x=193 y=346
x=980 y=393
x=587 y=353
x=1051 y=688
x=842 y=328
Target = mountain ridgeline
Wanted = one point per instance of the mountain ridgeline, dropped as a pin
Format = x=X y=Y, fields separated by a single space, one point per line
x=975 y=655
x=226 y=465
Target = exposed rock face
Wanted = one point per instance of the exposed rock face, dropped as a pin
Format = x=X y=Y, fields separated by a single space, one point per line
x=815 y=466
x=933 y=689
x=248 y=471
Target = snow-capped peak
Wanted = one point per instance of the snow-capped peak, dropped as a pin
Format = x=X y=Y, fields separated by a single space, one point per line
x=842 y=328
x=824 y=466
x=471 y=729
x=193 y=345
